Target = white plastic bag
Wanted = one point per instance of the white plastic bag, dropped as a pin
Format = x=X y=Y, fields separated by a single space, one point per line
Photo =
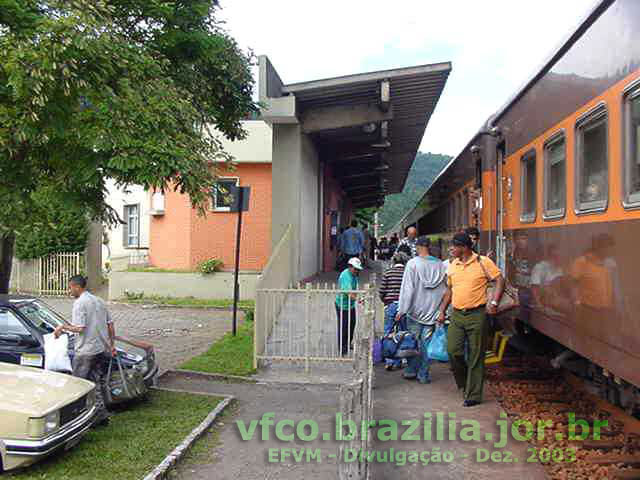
x=56 y=353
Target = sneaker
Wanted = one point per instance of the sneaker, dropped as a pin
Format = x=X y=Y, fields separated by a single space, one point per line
x=424 y=381
x=409 y=376
x=471 y=403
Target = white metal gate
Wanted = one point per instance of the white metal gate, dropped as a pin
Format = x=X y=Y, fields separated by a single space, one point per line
x=304 y=324
x=48 y=275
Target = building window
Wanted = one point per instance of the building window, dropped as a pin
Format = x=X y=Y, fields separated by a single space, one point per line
x=131 y=227
x=555 y=187
x=221 y=194
x=591 y=161
x=632 y=147
x=528 y=187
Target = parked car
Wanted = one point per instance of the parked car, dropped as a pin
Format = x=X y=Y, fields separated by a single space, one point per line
x=24 y=321
x=41 y=412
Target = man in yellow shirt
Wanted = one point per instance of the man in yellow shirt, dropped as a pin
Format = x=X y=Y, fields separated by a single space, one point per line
x=468 y=277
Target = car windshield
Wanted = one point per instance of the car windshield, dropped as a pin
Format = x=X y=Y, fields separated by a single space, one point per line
x=41 y=316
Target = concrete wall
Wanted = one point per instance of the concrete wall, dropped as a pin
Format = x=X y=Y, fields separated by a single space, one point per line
x=285 y=198
x=216 y=286
x=295 y=198
x=117 y=198
x=310 y=211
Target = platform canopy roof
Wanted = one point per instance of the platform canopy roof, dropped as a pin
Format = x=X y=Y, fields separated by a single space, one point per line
x=367 y=126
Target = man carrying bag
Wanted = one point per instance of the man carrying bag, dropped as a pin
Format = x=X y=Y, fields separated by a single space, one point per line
x=423 y=286
x=468 y=279
x=93 y=326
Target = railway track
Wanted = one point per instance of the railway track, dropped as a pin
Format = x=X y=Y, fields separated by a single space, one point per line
x=530 y=390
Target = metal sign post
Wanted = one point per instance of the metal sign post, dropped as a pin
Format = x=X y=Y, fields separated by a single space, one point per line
x=240 y=204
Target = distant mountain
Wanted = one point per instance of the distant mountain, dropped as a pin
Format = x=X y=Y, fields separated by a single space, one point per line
x=424 y=171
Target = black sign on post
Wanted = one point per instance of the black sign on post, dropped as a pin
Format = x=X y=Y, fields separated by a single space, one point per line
x=239 y=204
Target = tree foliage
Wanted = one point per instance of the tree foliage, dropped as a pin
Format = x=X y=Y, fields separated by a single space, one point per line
x=424 y=171
x=365 y=216
x=121 y=89
x=60 y=228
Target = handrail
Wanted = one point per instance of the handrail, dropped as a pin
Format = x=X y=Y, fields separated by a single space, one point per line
x=275 y=256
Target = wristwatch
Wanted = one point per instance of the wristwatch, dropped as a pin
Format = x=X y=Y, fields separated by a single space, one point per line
x=494 y=303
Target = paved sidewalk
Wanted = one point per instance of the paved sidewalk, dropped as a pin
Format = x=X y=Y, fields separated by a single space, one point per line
x=177 y=334
x=402 y=400
x=236 y=458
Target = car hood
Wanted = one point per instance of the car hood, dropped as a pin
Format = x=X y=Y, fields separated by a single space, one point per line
x=37 y=392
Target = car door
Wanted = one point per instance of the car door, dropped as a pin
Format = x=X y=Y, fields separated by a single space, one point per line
x=17 y=342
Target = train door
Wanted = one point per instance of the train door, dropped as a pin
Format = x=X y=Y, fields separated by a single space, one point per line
x=501 y=247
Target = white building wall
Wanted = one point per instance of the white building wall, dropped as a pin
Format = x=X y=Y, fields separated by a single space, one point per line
x=117 y=198
x=257 y=147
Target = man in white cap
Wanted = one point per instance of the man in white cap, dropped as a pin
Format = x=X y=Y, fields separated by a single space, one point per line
x=346 y=303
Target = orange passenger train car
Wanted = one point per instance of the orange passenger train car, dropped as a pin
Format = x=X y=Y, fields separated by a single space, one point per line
x=552 y=181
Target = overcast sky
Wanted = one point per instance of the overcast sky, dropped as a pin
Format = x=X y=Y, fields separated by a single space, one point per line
x=494 y=45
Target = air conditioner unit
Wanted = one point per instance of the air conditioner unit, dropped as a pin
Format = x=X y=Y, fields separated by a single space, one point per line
x=157 y=204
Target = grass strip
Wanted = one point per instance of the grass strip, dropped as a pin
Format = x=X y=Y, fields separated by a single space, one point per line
x=230 y=355
x=191 y=302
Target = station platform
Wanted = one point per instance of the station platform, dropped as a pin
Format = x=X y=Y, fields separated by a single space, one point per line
x=396 y=398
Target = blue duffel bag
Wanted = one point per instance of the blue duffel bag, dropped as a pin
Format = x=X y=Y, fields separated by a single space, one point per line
x=399 y=344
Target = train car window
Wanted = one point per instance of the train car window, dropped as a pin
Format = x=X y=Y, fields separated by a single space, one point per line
x=592 y=169
x=632 y=147
x=528 y=187
x=555 y=178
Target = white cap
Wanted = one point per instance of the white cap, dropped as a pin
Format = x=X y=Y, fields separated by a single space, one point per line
x=355 y=262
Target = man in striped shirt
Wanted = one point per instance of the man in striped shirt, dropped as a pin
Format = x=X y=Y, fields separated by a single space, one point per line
x=389 y=294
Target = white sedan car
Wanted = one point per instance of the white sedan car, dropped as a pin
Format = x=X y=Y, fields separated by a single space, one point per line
x=41 y=412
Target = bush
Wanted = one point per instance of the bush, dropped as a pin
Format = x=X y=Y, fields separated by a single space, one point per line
x=210 y=266
x=56 y=226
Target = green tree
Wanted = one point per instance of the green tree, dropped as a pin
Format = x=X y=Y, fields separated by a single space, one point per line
x=62 y=228
x=365 y=215
x=122 y=89
x=424 y=171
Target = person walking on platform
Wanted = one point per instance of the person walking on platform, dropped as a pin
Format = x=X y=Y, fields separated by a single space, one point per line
x=353 y=241
x=468 y=278
x=346 y=304
x=389 y=294
x=423 y=287
x=410 y=240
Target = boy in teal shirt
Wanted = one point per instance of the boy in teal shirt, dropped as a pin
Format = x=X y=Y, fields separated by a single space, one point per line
x=346 y=304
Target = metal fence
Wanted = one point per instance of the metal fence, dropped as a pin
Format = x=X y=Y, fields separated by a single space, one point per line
x=47 y=275
x=356 y=398
x=305 y=324
x=139 y=257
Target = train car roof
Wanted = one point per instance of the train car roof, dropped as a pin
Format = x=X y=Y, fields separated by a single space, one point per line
x=599 y=7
